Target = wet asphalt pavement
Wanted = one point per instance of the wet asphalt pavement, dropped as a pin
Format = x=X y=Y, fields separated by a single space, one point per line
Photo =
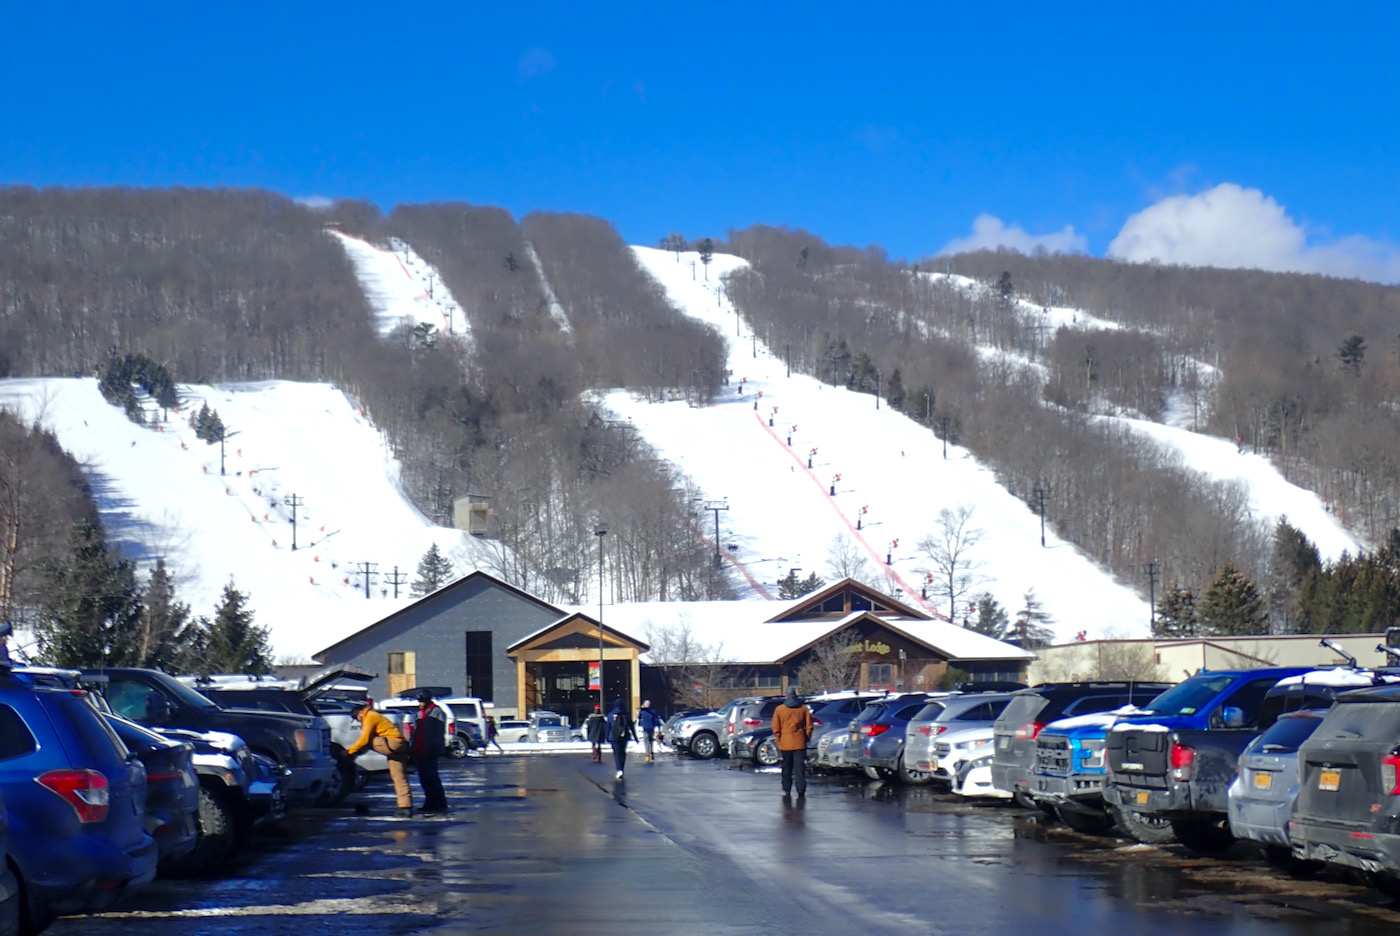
x=551 y=843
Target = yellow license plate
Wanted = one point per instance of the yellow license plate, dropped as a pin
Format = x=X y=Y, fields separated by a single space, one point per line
x=1329 y=780
x=1142 y=797
x=1262 y=780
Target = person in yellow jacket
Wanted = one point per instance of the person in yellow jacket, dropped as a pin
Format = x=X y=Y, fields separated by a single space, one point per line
x=383 y=736
x=792 y=729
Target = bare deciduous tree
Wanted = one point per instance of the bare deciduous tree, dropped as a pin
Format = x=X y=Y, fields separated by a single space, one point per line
x=949 y=551
x=834 y=664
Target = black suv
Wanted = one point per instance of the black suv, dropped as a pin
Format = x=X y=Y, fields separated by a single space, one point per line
x=1348 y=806
x=1030 y=710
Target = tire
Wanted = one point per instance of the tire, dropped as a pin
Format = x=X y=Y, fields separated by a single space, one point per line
x=1148 y=830
x=1086 y=823
x=1023 y=800
x=341 y=785
x=34 y=916
x=877 y=773
x=1204 y=836
x=911 y=777
x=457 y=747
x=704 y=745
x=767 y=754
x=218 y=837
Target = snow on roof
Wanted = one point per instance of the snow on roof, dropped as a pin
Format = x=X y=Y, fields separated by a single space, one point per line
x=738 y=631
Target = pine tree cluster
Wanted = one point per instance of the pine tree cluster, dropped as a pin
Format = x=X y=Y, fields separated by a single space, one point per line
x=207 y=425
x=790 y=587
x=119 y=377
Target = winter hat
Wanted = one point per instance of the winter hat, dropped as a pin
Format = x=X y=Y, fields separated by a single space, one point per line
x=792 y=697
x=597 y=708
x=425 y=697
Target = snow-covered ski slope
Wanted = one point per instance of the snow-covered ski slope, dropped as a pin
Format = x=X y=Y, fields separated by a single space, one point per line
x=782 y=514
x=160 y=493
x=402 y=286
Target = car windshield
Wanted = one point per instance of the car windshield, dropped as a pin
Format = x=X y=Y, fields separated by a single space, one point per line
x=930 y=712
x=548 y=723
x=870 y=713
x=1189 y=697
x=184 y=693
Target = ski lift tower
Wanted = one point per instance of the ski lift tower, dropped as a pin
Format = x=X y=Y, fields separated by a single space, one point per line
x=717 y=506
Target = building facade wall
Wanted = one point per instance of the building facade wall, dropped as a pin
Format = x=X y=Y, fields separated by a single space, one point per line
x=435 y=629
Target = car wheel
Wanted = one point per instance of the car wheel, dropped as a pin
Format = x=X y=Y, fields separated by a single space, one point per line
x=1024 y=801
x=457 y=747
x=878 y=773
x=217 y=837
x=767 y=754
x=704 y=745
x=1204 y=836
x=1147 y=829
x=34 y=916
x=341 y=785
x=911 y=777
x=1087 y=823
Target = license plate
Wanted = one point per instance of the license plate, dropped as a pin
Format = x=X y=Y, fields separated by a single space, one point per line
x=1329 y=780
x=1004 y=742
x=1262 y=780
x=1142 y=797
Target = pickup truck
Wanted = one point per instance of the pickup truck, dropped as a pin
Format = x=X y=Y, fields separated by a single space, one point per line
x=1176 y=761
x=299 y=743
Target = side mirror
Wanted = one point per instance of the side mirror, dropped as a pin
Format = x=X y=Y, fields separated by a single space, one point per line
x=1233 y=717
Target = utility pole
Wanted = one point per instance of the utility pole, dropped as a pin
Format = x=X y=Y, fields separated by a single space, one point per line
x=1040 y=500
x=754 y=336
x=1152 y=572
x=396 y=578
x=717 y=506
x=294 y=501
x=943 y=428
x=877 y=389
x=367 y=570
x=787 y=357
x=600 y=532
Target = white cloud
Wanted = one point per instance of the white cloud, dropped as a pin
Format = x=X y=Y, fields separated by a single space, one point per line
x=1235 y=227
x=318 y=202
x=990 y=232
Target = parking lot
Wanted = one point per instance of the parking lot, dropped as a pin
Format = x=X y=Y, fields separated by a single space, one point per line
x=551 y=843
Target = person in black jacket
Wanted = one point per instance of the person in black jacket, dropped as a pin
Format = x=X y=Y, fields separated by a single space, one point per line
x=429 y=740
x=620 y=731
x=595 y=728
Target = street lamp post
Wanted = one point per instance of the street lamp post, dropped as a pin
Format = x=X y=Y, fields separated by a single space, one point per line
x=600 y=532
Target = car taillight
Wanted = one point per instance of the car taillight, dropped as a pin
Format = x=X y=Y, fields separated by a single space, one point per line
x=1180 y=758
x=85 y=790
x=1030 y=732
x=752 y=722
x=301 y=738
x=816 y=723
x=931 y=731
x=871 y=731
x=1390 y=775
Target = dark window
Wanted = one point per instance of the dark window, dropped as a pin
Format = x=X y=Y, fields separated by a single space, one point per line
x=479 y=681
x=859 y=602
x=15 y=739
x=1284 y=737
x=1096 y=703
x=930 y=712
x=1250 y=699
x=909 y=711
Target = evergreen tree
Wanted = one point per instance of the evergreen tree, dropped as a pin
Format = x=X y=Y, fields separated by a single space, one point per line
x=1232 y=605
x=1031 y=629
x=790 y=587
x=90 y=614
x=1005 y=291
x=1351 y=353
x=510 y=263
x=991 y=617
x=707 y=253
x=231 y=642
x=1176 y=613
x=895 y=394
x=434 y=571
x=207 y=424
x=165 y=631
x=1293 y=561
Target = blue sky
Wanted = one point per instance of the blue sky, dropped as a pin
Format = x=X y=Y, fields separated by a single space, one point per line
x=1239 y=134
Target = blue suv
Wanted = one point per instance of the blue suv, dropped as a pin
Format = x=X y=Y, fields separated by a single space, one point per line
x=76 y=799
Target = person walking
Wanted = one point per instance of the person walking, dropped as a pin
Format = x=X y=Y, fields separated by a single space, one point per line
x=792 y=728
x=379 y=734
x=491 y=733
x=620 y=731
x=429 y=740
x=595 y=729
x=648 y=721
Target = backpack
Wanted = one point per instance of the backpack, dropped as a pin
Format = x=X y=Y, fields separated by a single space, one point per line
x=620 y=727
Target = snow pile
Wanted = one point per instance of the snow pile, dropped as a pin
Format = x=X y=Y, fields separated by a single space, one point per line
x=160 y=494
x=403 y=287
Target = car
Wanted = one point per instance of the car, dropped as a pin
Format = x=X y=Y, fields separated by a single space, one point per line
x=706 y=735
x=9 y=884
x=970 y=764
x=172 y=790
x=875 y=740
x=746 y=719
x=512 y=730
x=1347 y=811
x=1030 y=710
x=1262 y=793
x=75 y=796
x=946 y=715
x=301 y=743
x=407 y=710
x=547 y=727
x=467 y=711
x=757 y=746
x=953 y=749
x=832 y=715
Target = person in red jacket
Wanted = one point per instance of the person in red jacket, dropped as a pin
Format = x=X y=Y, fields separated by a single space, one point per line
x=429 y=740
x=792 y=729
